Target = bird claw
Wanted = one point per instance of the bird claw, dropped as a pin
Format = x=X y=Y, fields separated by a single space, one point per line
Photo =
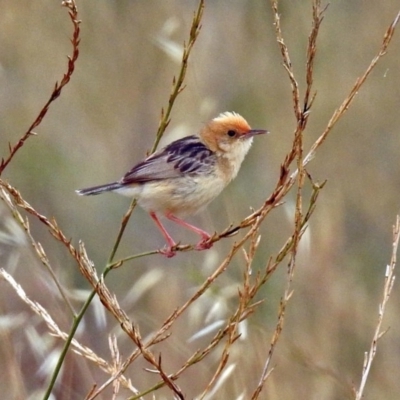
x=204 y=244
x=167 y=252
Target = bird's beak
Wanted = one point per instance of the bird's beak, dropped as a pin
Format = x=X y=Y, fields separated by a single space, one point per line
x=253 y=132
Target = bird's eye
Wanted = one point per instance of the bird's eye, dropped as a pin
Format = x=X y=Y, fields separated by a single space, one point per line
x=231 y=133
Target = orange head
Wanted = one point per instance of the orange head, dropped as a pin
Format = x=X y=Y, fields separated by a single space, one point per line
x=230 y=137
x=228 y=131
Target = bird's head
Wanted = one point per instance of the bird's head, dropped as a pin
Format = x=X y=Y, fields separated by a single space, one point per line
x=229 y=135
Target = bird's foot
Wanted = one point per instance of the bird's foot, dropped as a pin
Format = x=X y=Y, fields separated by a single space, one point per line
x=167 y=252
x=204 y=244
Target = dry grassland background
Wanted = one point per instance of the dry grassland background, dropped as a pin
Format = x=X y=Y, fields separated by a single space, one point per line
x=105 y=121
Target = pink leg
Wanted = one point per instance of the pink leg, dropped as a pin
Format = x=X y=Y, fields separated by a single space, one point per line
x=205 y=237
x=171 y=243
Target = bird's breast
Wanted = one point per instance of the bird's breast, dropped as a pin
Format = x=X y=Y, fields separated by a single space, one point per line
x=180 y=196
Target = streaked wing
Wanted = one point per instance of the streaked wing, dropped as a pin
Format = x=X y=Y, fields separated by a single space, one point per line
x=185 y=156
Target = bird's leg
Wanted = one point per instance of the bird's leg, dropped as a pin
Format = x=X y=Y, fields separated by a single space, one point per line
x=205 y=237
x=168 y=252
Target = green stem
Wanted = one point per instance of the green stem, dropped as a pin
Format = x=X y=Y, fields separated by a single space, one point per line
x=118 y=263
x=124 y=223
x=78 y=317
x=74 y=327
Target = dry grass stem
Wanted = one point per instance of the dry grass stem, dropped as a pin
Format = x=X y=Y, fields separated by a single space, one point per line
x=114 y=379
x=110 y=301
x=55 y=331
x=39 y=251
x=387 y=290
x=73 y=13
x=243 y=311
x=178 y=83
x=55 y=231
x=162 y=334
x=354 y=90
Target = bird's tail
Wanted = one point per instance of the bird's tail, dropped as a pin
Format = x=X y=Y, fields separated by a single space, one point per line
x=109 y=187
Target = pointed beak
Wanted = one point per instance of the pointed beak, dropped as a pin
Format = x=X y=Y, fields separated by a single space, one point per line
x=254 y=132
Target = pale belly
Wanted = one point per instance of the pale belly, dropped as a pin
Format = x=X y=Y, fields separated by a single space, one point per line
x=180 y=196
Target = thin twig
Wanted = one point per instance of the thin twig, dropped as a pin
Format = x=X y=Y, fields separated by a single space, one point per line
x=177 y=83
x=36 y=245
x=73 y=13
x=244 y=309
x=387 y=290
x=339 y=112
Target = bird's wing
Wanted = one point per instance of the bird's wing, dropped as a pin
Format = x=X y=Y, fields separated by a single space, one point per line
x=182 y=157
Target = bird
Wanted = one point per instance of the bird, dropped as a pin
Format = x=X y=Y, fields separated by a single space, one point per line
x=186 y=175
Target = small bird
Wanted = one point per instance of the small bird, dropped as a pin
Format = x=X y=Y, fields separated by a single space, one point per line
x=186 y=175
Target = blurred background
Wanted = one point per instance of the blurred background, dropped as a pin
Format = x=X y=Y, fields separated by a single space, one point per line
x=105 y=121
